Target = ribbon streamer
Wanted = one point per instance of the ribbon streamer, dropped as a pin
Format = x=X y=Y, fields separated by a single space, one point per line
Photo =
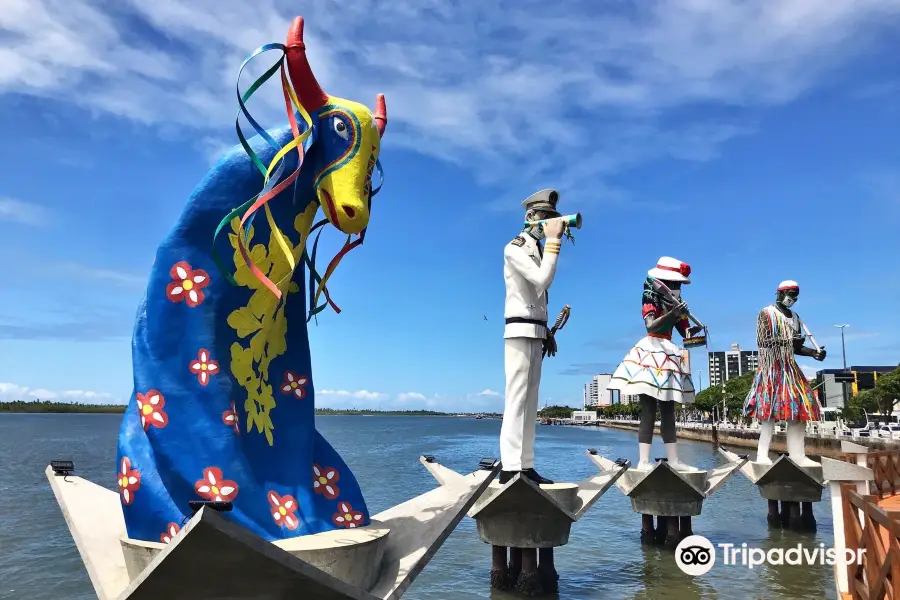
x=272 y=174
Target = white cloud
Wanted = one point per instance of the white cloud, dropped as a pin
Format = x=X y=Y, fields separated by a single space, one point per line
x=406 y=397
x=10 y=392
x=358 y=394
x=571 y=93
x=488 y=392
x=23 y=213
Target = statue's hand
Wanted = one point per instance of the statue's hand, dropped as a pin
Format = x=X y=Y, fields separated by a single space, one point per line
x=549 y=345
x=694 y=330
x=820 y=355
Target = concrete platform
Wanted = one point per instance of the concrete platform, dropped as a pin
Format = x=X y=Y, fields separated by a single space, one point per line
x=665 y=492
x=338 y=553
x=784 y=480
x=523 y=514
x=211 y=558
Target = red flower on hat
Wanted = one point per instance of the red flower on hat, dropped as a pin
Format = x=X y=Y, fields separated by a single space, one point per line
x=685 y=269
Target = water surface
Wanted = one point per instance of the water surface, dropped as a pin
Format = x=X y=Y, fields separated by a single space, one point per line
x=604 y=557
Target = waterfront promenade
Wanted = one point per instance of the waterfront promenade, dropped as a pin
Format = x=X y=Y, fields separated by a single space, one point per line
x=821 y=440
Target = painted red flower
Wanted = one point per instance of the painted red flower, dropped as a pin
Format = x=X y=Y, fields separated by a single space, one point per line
x=294 y=384
x=150 y=407
x=685 y=269
x=214 y=487
x=129 y=480
x=230 y=418
x=187 y=284
x=284 y=510
x=171 y=529
x=203 y=367
x=347 y=517
x=325 y=481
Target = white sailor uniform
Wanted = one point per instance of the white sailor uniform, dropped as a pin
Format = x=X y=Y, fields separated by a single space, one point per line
x=528 y=271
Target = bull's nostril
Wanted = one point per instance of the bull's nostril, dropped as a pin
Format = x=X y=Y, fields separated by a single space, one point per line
x=348 y=210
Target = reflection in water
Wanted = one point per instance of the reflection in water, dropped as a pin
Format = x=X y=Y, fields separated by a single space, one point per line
x=663 y=580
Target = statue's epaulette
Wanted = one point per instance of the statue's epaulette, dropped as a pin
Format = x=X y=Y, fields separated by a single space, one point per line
x=519 y=241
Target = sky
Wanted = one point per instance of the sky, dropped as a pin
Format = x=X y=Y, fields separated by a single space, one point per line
x=756 y=141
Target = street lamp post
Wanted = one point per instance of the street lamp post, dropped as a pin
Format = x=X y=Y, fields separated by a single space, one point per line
x=844 y=352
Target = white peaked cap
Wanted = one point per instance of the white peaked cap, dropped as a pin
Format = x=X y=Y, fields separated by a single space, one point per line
x=544 y=200
x=788 y=284
x=671 y=269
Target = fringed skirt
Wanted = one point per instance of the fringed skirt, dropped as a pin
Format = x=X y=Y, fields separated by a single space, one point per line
x=655 y=367
x=781 y=392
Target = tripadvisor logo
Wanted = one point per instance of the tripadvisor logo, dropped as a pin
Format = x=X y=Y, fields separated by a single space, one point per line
x=696 y=555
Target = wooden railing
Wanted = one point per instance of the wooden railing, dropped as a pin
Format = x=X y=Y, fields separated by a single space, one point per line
x=869 y=527
x=885 y=467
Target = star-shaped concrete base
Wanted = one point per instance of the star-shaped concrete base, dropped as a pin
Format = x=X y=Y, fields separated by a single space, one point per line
x=664 y=491
x=212 y=558
x=523 y=514
x=784 y=479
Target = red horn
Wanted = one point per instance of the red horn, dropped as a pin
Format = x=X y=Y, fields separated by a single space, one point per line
x=380 y=114
x=308 y=91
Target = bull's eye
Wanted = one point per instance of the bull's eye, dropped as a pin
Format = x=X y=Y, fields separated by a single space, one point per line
x=340 y=128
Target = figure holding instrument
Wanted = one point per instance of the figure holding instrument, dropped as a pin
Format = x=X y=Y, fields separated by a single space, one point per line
x=780 y=390
x=528 y=270
x=654 y=369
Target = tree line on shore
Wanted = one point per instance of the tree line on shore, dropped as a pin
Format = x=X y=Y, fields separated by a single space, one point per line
x=38 y=406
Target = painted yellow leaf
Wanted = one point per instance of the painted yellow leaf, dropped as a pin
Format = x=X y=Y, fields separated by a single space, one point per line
x=262 y=303
x=243 y=322
x=266 y=400
x=258 y=346
x=242 y=368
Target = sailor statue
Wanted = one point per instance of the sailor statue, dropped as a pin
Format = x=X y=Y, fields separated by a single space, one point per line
x=528 y=269
x=655 y=369
x=780 y=390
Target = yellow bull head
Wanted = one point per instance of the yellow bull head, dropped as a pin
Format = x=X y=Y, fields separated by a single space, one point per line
x=346 y=136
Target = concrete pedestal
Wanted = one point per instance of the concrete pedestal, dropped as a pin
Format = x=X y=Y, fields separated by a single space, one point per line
x=211 y=558
x=345 y=554
x=668 y=496
x=789 y=489
x=523 y=522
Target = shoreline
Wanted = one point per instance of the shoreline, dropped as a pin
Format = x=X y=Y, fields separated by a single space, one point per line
x=815 y=446
x=58 y=408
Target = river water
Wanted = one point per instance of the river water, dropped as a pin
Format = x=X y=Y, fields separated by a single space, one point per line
x=604 y=557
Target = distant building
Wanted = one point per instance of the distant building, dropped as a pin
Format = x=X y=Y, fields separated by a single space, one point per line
x=831 y=392
x=596 y=392
x=734 y=363
x=584 y=416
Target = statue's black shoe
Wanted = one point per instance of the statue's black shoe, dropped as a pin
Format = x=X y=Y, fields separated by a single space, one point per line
x=533 y=475
x=506 y=476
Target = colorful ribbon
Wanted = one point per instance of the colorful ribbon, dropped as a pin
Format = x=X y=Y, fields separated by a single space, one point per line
x=273 y=174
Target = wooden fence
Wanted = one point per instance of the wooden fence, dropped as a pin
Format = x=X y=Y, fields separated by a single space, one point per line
x=868 y=526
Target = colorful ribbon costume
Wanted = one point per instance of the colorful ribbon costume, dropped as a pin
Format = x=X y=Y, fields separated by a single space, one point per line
x=223 y=402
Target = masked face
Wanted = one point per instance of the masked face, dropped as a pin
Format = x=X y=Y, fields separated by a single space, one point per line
x=674 y=287
x=789 y=299
x=536 y=232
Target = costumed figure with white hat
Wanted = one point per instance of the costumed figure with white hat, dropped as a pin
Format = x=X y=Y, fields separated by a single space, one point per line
x=655 y=369
x=528 y=270
x=780 y=390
